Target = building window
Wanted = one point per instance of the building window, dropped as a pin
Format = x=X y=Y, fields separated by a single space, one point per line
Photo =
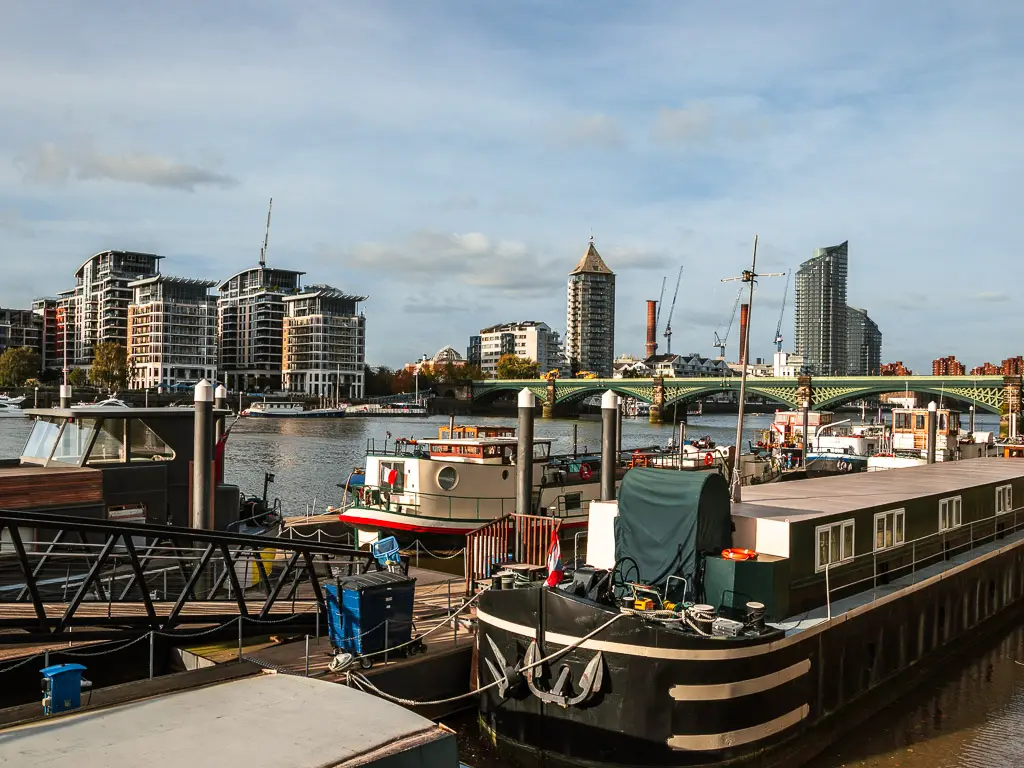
x=1004 y=499
x=835 y=544
x=888 y=529
x=949 y=513
x=447 y=478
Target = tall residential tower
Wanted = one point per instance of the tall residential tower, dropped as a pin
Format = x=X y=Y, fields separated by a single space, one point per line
x=590 y=316
x=821 y=313
x=864 y=344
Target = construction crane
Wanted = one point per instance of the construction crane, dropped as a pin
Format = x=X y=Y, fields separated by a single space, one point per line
x=657 y=316
x=266 y=236
x=721 y=341
x=671 y=309
x=782 y=311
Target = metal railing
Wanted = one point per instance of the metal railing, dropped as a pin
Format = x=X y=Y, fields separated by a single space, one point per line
x=924 y=551
x=524 y=539
x=59 y=572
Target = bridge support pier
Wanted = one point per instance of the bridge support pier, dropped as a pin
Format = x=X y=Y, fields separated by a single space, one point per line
x=548 y=408
x=1009 y=411
x=658 y=401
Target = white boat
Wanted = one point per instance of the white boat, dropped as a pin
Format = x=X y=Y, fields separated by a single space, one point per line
x=274 y=408
x=12 y=400
x=387 y=409
x=110 y=402
x=439 y=489
x=909 y=446
x=10 y=410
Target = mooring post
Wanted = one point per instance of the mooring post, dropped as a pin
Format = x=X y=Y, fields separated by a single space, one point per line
x=618 y=425
x=524 y=453
x=609 y=405
x=202 y=457
x=65 y=395
x=220 y=403
x=932 y=424
x=806 y=436
x=970 y=428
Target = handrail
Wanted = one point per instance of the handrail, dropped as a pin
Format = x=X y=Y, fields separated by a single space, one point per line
x=940 y=537
x=513 y=538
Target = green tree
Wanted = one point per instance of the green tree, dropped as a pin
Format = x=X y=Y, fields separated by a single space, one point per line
x=514 y=367
x=470 y=373
x=18 y=364
x=110 y=367
x=77 y=377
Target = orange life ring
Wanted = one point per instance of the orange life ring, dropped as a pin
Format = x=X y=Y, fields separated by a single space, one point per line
x=709 y=459
x=739 y=554
x=585 y=472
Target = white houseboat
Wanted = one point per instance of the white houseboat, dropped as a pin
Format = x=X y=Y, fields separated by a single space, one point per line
x=909 y=445
x=439 y=489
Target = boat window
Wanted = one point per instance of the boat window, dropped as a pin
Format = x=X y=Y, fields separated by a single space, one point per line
x=1004 y=499
x=835 y=544
x=147 y=445
x=108 y=447
x=918 y=421
x=888 y=529
x=942 y=422
x=74 y=441
x=392 y=476
x=949 y=513
x=447 y=478
x=903 y=421
x=541 y=450
x=42 y=439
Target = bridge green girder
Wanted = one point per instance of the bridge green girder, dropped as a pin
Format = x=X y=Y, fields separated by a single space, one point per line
x=985 y=392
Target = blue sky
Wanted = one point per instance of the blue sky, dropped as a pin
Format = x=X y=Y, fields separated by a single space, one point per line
x=450 y=159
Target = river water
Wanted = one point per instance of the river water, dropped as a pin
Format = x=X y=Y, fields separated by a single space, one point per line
x=971 y=715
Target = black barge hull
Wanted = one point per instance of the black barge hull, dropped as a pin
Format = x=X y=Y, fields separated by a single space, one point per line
x=673 y=700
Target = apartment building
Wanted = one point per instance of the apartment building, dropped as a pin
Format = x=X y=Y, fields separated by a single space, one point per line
x=529 y=339
x=324 y=343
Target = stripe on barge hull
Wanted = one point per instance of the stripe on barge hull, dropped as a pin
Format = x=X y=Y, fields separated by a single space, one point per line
x=628 y=649
x=717 y=741
x=724 y=691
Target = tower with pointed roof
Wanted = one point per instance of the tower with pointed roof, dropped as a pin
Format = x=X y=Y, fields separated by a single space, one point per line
x=590 y=315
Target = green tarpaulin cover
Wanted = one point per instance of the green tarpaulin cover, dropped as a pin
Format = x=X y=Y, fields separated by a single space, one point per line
x=667 y=518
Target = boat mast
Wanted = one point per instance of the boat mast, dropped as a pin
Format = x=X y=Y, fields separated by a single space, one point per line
x=749 y=276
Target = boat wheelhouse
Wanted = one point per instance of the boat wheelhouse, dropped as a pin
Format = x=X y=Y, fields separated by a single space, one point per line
x=440 y=489
x=909 y=445
x=827 y=590
x=111 y=463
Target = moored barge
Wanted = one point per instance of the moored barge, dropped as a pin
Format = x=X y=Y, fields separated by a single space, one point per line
x=704 y=634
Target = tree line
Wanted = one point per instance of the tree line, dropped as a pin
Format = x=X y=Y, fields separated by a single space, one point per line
x=111 y=369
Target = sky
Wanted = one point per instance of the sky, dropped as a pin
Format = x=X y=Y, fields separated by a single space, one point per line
x=451 y=159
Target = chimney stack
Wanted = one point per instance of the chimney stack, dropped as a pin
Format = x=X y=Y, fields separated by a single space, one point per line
x=744 y=320
x=652 y=331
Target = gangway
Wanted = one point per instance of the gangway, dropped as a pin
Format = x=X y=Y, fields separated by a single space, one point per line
x=63 y=576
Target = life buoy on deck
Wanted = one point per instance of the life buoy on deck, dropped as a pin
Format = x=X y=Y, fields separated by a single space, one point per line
x=739 y=554
x=585 y=471
x=709 y=459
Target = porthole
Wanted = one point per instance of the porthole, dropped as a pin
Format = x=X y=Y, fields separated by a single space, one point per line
x=447 y=478
x=504 y=474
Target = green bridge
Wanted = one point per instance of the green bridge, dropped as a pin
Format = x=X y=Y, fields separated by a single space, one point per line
x=995 y=394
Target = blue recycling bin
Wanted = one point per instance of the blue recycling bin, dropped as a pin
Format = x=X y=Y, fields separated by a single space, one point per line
x=62 y=687
x=371 y=611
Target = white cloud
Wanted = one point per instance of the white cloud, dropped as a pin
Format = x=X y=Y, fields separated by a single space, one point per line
x=595 y=130
x=52 y=164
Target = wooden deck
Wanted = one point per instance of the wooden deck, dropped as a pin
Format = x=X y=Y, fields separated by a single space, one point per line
x=34 y=487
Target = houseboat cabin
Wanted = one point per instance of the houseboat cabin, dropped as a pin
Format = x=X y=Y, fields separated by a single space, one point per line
x=474 y=431
x=867 y=528
x=274 y=408
x=111 y=463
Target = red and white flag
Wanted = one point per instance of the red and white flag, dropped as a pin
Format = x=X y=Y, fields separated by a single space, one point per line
x=554 y=561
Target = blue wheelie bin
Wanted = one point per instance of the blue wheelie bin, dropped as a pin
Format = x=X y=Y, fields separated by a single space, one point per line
x=370 y=612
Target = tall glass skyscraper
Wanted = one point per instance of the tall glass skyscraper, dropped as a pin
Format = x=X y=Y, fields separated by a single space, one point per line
x=864 y=343
x=821 y=312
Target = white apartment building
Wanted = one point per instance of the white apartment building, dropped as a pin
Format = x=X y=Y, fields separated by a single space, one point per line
x=324 y=343
x=172 y=332
x=96 y=309
x=529 y=339
x=787 y=364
